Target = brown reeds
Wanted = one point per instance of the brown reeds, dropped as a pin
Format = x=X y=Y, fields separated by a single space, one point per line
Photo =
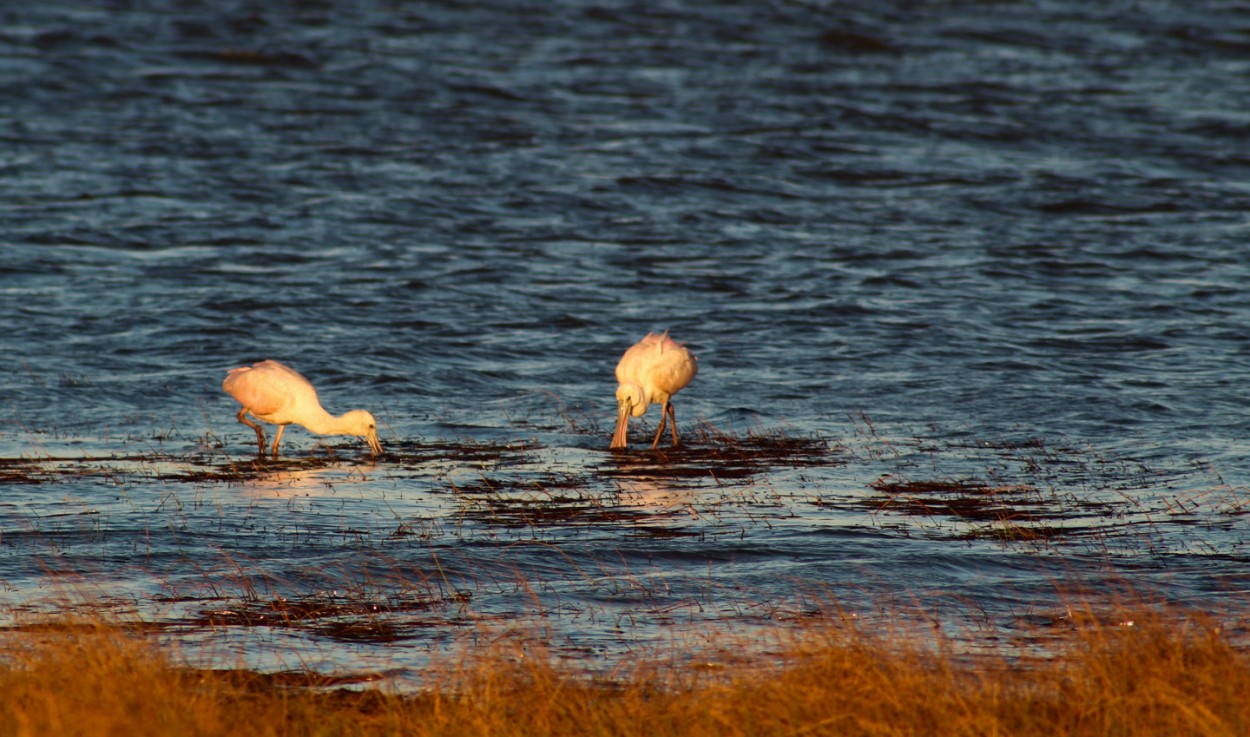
x=1157 y=677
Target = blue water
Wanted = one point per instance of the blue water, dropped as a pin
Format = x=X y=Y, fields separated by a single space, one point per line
x=995 y=248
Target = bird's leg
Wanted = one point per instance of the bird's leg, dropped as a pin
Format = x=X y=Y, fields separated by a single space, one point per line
x=663 y=418
x=260 y=431
x=672 y=420
x=277 y=440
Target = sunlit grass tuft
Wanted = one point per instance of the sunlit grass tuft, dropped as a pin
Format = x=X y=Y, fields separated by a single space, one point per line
x=1154 y=677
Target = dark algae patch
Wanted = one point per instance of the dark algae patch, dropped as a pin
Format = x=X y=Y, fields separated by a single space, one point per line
x=718 y=455
x=963 y=498
x=1027 y=492
x=339 y=617
x=19 y=471
x=498 y=454
x=559 y=500
x=1007 y=513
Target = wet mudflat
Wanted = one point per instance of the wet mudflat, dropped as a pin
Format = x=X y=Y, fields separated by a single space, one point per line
x=328 y=561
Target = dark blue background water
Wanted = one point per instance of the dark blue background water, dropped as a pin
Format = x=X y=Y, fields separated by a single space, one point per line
x=1011 y=235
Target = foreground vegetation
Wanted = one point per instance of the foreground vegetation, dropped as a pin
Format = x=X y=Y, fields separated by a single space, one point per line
x=1153 y=678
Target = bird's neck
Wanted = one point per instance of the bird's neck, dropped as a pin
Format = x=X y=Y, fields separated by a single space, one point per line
x=324 y=423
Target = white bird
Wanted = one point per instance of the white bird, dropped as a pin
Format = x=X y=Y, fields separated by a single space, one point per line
x=651 y=372
x=278 y=394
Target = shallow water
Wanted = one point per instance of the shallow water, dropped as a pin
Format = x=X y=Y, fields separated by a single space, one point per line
x=966 y=281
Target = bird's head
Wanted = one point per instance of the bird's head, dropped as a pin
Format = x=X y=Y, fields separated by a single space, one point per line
x=630 y=400
x=362 y=425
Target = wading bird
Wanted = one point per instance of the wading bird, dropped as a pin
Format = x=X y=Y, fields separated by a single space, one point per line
x=651 y=372
x=278 y=394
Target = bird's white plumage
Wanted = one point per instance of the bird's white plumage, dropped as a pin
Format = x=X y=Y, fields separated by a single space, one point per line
x=280 y=395
x=651 y=372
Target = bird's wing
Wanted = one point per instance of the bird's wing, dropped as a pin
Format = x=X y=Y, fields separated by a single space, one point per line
x=267 y=387
x=631 y=365
x=671 y=370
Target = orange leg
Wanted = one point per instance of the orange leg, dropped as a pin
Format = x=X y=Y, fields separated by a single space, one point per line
x=278 y=439
x=672 y=419
x=664 y=409
x=260 y=431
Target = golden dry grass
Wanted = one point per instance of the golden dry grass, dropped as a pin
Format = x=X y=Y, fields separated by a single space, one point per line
x=1173 y=678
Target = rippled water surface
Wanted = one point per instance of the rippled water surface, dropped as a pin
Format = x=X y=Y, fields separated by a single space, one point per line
x=966 y=280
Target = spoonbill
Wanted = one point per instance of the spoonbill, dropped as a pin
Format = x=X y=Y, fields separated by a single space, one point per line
x=275 y=393
x=651 y=372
